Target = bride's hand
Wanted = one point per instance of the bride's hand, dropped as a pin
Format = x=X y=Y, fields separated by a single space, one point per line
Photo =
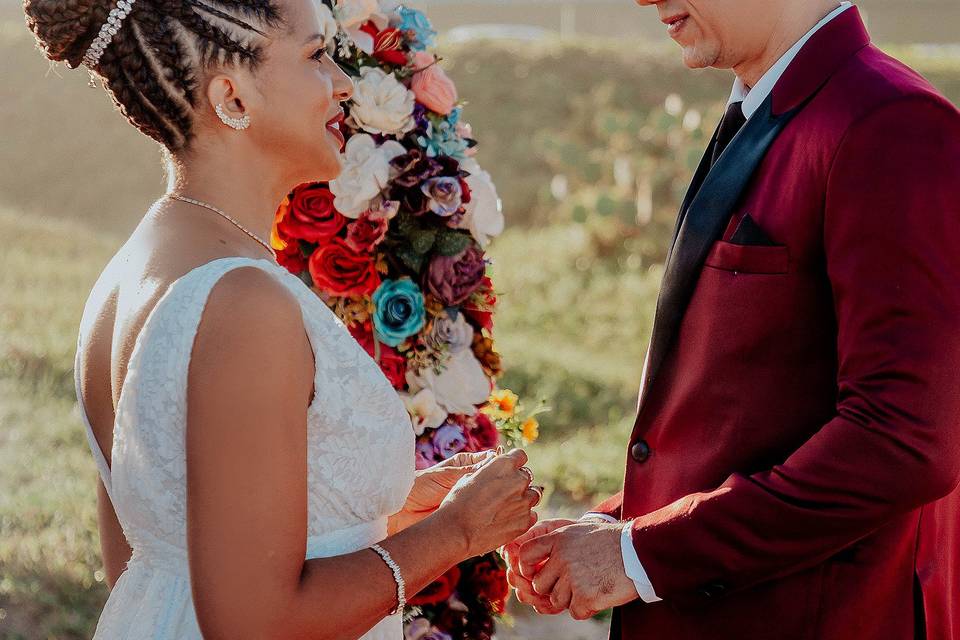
x=493 y=505
x=433 y=484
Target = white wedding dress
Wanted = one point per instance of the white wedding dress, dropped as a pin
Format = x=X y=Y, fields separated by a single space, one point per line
x=360 y=450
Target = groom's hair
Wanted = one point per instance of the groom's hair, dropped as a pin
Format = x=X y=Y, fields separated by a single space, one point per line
x=152 y=65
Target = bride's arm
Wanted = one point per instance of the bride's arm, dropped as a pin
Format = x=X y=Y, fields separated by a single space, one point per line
x=113 y=544
x=250 y=381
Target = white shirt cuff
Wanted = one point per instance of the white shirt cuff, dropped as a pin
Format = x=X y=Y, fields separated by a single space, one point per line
x=635 y=570
x=599 y=516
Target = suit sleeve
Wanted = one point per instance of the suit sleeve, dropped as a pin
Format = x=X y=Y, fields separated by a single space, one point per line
x=611 y=507
x=891 y=235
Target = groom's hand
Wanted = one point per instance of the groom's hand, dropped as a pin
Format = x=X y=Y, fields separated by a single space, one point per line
x=579 y=567
x=523 y=586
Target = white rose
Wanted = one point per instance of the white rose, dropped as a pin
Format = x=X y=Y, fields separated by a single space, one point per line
x=353 y=13
x=484 y=213
x=366 y=172
x=458 y=387
x=424 y=411
x=381 y=104
x=328 y=26
x=450 y=334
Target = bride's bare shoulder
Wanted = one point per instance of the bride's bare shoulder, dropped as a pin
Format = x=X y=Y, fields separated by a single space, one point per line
x=252 y=331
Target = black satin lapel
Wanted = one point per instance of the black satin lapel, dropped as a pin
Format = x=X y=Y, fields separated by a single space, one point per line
x=703 y=223
x=698 y=177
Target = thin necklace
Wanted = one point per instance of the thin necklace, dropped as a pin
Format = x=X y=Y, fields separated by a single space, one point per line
x=266 y=245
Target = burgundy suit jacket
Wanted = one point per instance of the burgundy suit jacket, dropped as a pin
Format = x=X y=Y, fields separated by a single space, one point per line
x=794 y=466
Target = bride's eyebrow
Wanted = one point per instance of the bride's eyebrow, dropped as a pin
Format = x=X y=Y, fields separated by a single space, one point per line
x=311 y=38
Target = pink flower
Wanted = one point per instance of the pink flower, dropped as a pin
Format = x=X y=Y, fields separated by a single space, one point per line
x=431 y=85
x=366 y=232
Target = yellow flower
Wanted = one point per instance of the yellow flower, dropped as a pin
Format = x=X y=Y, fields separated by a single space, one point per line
x=531 y=430
x=503 y=403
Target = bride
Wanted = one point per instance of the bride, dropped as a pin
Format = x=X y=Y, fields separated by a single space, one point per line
x=247 y=446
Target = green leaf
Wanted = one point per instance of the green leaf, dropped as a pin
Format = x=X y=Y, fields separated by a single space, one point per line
x=450 y=243
x=422 y=240
x=406 y=224
x=411 y=258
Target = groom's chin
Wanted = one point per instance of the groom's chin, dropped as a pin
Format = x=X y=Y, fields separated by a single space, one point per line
x=695 y=58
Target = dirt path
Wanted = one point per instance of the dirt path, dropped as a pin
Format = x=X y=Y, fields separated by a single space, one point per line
x=562 y=627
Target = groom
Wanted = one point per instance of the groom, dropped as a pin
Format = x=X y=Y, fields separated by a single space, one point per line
x=793 y=469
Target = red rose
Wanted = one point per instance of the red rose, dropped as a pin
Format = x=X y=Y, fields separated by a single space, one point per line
x=479 y=308
x=488 y=579
x=338 y=270
x=311 y=216
x=365 y=233
x=393 y=365
x=292 y=258
x=439 y=591
x=482 y=434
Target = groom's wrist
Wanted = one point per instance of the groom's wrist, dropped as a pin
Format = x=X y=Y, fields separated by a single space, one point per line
x=594 y=516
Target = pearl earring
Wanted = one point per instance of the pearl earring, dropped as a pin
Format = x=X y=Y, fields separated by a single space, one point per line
x=236 y=123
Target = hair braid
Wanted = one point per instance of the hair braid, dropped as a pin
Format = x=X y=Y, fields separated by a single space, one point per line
x=172 y=58
x=136 y=91
x=213 y=43
x=153 y=63
x=263 y=11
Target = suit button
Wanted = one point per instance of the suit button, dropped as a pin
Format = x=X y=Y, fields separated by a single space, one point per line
x=640 y=451
x=713 y=590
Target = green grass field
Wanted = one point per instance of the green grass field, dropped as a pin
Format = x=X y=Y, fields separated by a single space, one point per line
x=50 y=586
x=575 y=306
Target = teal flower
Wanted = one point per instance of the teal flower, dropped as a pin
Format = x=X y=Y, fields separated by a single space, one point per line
x=417 y=28
x=443 y=139
x=399 y=312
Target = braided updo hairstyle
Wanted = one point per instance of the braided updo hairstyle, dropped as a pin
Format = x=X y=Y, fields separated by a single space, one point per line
x=152 y=65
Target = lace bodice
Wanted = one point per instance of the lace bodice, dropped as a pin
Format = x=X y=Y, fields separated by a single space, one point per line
x=359 y=439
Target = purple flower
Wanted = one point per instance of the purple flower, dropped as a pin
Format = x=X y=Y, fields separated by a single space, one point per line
x=413 y=168
x=421 y=629
x=449 y=440
x=452 y=279
x=444 y=195
x=425 y=455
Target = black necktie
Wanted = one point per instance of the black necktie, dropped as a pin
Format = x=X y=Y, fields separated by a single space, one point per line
x=733 y=121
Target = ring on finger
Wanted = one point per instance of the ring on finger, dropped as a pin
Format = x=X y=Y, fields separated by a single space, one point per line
x=527 y=472
x=537 y=489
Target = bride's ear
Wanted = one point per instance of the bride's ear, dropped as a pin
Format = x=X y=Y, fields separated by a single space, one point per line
x=232 y=95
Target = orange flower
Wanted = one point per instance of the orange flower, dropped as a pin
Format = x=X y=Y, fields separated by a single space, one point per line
x=530 y=430
x=276 y=241
x=485 y=352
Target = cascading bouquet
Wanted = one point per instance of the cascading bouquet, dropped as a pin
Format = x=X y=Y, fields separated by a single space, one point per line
x=395 y=247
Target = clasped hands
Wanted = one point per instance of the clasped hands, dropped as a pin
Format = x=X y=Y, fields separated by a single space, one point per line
x=569 y=565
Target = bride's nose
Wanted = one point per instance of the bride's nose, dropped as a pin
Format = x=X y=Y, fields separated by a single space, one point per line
x=342 y=86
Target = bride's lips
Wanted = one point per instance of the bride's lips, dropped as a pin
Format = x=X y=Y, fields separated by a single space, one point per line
x=675 y=23
x=333 y=126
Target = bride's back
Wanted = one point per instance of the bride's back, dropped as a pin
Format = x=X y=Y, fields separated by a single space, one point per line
x=164 y=247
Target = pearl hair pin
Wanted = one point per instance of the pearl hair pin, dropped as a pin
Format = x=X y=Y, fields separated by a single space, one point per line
x=109 y=29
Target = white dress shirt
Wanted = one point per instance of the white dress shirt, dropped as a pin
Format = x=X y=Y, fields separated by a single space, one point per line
x=752 y=98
